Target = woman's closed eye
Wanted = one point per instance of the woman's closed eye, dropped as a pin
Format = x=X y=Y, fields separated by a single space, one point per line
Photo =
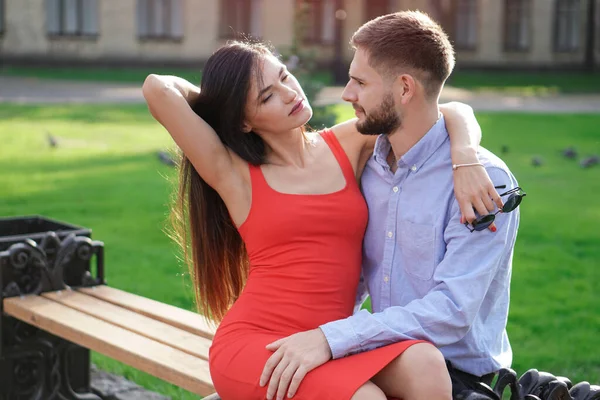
x=283 y=79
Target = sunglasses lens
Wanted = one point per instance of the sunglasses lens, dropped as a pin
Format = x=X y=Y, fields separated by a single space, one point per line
x=484 y=222
x=513 y=202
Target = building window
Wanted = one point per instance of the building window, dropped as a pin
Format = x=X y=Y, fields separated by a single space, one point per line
x=467 y=23
x=159 y=19
x=72 y=17
x=318 y=21
x=517 y=25
x=1 y=17
x=240 y=17
x=567 y=25
x=377 y=8
x=597 y=27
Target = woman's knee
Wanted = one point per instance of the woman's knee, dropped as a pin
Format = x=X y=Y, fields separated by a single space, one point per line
x=426 y=367
x=425 y=356
x=369 y=391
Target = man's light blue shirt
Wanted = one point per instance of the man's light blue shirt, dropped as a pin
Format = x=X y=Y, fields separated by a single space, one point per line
x=429 y=277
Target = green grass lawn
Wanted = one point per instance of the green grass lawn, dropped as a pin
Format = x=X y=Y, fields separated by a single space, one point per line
x=118 y=75
x=527 y=83
x=94 y=74
x=510 y=82
x=105 y=175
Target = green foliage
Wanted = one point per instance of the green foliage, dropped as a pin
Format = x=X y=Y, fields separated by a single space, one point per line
x=302 y=62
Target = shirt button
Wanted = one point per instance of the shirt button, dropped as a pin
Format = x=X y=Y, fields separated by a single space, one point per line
x=390 y=234
x=386 y=279
x=395 y=189
x=413 y=168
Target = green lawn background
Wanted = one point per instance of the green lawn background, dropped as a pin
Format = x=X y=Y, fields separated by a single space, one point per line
x=105 y=175
x=524 y=83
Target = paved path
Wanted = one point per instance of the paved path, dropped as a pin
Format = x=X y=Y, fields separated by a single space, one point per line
x=43 y=91
x=491 y=101
x=39 y=91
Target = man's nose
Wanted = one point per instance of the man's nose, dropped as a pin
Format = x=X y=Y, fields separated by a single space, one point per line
x=349 y=95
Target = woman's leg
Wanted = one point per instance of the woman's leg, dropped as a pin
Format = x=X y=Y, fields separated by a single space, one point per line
x=369 y=391
x=420 y=373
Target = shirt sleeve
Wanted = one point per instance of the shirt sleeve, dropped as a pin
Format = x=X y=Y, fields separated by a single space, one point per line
x=444 y=315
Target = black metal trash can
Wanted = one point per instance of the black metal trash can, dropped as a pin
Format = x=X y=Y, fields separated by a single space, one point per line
x=38 y=254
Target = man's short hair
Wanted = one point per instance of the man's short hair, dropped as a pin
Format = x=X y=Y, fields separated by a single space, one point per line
x=407 y=42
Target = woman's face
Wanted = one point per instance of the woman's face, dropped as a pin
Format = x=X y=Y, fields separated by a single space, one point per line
x=276 y=103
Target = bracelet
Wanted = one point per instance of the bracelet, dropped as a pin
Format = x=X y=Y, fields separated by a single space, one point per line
x=457 y=166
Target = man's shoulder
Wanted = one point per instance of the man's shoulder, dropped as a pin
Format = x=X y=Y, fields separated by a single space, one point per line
x=492 y=162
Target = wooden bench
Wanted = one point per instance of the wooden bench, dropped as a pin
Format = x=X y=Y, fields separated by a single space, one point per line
x=164 y=341
x=55 y=307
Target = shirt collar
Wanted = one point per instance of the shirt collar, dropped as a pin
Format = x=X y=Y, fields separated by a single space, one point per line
x=419 y=153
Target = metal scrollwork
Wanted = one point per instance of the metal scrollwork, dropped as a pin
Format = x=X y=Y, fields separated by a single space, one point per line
x=34 y=364
x=29 y=268
x=532 y=385
x=25 y=266
x=41 y=366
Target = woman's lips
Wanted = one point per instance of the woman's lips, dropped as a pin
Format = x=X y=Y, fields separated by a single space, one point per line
x=298 y=107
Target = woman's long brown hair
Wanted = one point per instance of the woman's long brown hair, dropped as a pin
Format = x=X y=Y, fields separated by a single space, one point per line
x=211 y=244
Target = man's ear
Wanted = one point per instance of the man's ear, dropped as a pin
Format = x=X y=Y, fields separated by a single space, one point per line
x=405 y=87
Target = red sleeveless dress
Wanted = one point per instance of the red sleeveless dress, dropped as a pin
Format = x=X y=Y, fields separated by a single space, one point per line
x=305 y=256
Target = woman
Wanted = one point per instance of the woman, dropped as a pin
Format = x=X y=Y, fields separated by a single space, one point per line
x=275 y=251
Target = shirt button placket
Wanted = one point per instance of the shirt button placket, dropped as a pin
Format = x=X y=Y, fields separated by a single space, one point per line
x=386 y=290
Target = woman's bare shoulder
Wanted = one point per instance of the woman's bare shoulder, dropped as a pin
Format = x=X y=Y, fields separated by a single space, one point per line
x=347 y=131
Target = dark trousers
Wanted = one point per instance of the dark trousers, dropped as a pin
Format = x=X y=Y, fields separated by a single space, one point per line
x=464 y=381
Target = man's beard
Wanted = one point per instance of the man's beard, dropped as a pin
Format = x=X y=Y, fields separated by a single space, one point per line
x=383 y=120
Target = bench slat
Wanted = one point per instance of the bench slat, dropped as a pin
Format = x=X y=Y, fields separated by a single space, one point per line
x=162 y=361
x=156 y=330
x=183 y=319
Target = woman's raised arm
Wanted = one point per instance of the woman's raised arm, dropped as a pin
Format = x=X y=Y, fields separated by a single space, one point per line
x=472 y=185
x=169 y=99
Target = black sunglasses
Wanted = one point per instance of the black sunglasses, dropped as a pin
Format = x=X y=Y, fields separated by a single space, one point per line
x=514 y=199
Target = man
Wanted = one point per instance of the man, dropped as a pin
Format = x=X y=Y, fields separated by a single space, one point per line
x=430 y=277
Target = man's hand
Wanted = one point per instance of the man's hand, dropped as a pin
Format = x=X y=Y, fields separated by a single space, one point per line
x=293 y=357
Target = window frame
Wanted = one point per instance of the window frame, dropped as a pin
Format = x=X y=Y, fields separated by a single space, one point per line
x=146 y=27
x=474 y=10
x=62 y=30
x=227 y=30
x=387 y=7
x=316 y=32
x=523 y=10
x=2 y=17
x=574 y=21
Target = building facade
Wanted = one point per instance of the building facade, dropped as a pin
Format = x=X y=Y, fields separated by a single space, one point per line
x=498 y=33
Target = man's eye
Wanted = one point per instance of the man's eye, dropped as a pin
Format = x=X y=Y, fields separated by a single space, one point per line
x=285 y=78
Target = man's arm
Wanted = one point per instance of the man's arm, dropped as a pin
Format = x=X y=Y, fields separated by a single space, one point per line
x=445 y=314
